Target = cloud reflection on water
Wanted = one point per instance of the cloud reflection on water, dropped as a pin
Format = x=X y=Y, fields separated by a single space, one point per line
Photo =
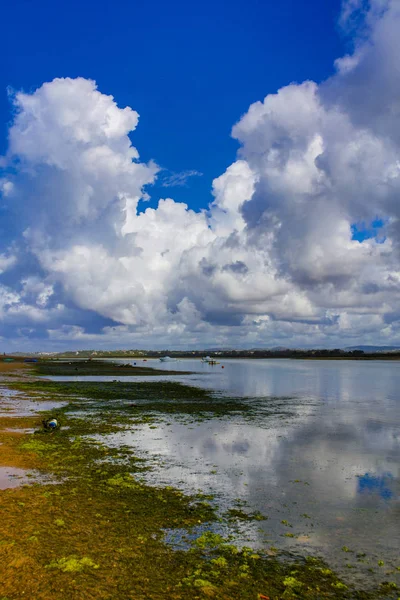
x=326 y=445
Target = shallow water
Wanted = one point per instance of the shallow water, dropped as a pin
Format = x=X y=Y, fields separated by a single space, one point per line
x=11 y=477
x=323 y=456
x=15 y=403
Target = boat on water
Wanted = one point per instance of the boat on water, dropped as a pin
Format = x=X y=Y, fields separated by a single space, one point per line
x=167 y=359
x=209 y=360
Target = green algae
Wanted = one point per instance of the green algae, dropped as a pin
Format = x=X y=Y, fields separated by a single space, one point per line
x=292 y=582
x=241 y=515
x=34 y=445
x=98 y=367
x=243 y=571
x=141 y=399
x=122 y=480
x=71 y=564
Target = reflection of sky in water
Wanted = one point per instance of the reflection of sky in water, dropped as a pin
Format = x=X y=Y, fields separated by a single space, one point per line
x=323 y=455
x=14 y=403
x=11 y=477
x=383 y=485
x=340 y=380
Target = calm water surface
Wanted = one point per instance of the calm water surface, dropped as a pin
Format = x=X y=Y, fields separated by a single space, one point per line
x=323 y=456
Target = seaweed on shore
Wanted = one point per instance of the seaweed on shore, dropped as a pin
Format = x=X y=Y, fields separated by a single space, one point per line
x=140 y=397
x=98 y=367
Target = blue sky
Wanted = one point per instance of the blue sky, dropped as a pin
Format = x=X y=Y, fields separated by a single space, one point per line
x=190 y=69
x=276 y=123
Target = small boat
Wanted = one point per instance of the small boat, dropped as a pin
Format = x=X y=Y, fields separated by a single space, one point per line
x=209 y=360
x=167 y=359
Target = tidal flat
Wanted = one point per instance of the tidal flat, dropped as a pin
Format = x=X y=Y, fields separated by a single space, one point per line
x=91 y=367
x=100 y=530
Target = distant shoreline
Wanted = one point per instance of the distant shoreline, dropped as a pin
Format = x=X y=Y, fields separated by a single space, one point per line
x=153 y=355
x=377 y=356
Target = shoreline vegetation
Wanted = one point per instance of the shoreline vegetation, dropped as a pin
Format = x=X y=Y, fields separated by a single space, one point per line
x=98 y=367
x=97 y=530
x=282 y=353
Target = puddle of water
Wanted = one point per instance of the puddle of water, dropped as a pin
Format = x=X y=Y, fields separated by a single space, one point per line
x=13 y=403
x=11 y=477
x=19 y=430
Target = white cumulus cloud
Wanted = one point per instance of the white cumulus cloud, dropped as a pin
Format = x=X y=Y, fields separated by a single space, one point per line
x=271 y=260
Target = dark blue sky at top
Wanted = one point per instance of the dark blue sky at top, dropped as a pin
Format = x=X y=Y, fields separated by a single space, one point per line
x=190 y=69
